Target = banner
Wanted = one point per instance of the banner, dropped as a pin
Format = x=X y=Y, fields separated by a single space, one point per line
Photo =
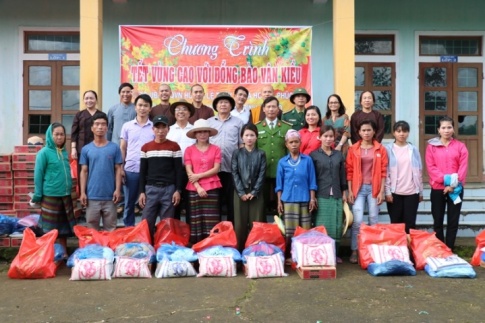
x=220 y=58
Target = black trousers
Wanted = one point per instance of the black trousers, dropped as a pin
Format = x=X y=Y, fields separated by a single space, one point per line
x=404 y=209
x=226 y=196
x=439 y=202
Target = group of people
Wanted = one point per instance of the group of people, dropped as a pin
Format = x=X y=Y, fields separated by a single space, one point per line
x=181 y=157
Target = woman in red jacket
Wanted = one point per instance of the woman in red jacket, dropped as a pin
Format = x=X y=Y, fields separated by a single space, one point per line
x=366 y=166
x=447 y=165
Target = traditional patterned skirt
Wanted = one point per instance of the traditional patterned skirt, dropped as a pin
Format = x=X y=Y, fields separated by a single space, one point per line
x=204 y=214
x=57 y=213
x=295 y=214
x=329 y=214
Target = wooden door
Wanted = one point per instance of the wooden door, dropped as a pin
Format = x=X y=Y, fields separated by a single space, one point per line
x=454 y=90
x=50 y=94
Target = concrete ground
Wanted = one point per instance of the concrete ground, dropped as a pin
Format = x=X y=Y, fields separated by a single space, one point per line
x=354 y=296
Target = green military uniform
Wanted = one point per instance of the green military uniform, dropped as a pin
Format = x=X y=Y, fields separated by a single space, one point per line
x=273 y=143
x=295 y=118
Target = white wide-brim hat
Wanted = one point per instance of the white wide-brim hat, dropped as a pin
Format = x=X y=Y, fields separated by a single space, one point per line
x=201 y=125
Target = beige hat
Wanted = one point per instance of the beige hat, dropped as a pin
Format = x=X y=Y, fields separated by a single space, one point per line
x=348 y=218
x=35 y=140
x=201 y=125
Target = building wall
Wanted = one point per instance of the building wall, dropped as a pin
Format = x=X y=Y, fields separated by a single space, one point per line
x=405 y=18
x=15 y=15
x=222 y=12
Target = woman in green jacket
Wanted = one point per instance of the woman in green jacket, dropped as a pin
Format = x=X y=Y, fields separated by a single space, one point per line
x=53 y=184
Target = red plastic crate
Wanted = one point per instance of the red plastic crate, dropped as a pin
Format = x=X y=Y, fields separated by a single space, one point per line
x=4 y=242
x=5 y=167
x=6 y=175
x=6 y=190
x=11 y=212
x=27 y=149
x=15 y=242
x=23 y=189
x=23 y=181
x=6 y=206
x=6 y=199
x=22 y=206
x=6 y=182
x=317 y=272
x=5 y=158
x=24 y=212
x=23 y=174
x=24 y=157
x=23 y=165
x=21 y=198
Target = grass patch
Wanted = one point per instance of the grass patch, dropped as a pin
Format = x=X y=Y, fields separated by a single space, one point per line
x=465 y=252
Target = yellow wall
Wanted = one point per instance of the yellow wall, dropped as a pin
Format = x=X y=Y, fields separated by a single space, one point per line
x=343 y=51
x=91 y=58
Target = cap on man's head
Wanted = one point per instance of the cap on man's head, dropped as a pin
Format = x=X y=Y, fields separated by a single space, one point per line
x=160 y=119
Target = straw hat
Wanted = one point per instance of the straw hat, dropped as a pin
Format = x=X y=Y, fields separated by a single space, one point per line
x=201 y=125
x=348 y=218
x=35 y=140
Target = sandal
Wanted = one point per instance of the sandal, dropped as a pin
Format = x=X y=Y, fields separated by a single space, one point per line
x=353 y=258
x=339 y=260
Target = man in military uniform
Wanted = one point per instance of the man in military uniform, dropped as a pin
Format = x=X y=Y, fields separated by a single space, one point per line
x=296 y=116
x=271 y=139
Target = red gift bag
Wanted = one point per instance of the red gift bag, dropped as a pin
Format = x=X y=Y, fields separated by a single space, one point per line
x=381 y=234
x=138 y=233
x=480 y=240
x=299 y=230
x=424 y=245
x=267 y=232
x=222 y=234
x=35 y=258
x=172 y=230
x=90 y=236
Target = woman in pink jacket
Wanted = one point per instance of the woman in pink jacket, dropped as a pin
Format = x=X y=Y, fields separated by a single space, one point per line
x=446 y=158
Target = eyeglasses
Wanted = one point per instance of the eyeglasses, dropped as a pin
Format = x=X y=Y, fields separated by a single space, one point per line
x=333 y=102
x=181 y=109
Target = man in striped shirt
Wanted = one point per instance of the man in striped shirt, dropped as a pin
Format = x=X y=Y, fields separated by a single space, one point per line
x=160 y=175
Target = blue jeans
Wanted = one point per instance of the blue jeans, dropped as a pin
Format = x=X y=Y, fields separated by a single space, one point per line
x=131 y=196
x=364 y=194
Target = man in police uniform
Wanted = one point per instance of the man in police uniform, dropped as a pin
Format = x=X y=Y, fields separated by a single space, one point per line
x=296 y=116
x=271 y=139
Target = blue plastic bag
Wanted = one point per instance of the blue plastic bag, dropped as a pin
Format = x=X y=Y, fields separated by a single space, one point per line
x=221 y=251
x=91 y=251
x=138 y=250
x=391 y=268
x=7 y=224
x=262 y=249
x=174 y=252
x=59 y=252
x=458 y=271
